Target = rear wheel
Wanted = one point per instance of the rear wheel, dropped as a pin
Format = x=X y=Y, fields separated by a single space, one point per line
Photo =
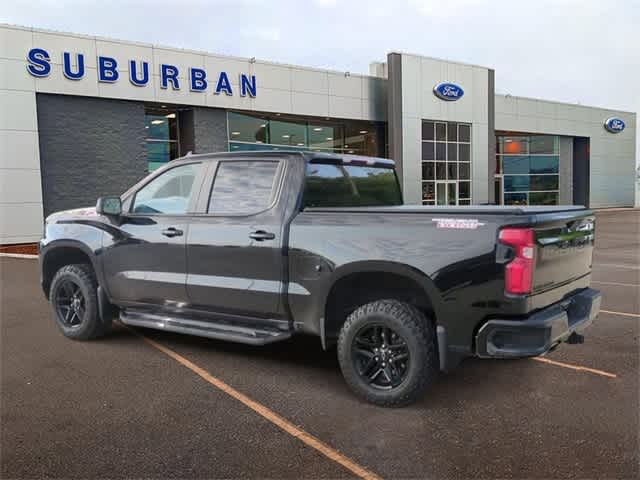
x=74 y=303
x=387 y=352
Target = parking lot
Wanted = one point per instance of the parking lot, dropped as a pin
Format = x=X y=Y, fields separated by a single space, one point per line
x=154 y=404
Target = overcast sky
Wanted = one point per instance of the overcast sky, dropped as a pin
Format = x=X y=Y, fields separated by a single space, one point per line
x=582 y=51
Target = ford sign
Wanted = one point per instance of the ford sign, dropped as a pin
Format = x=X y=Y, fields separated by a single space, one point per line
x=614 y=125
x=448 y=91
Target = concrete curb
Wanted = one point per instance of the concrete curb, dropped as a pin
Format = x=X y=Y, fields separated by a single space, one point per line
x=19 y=255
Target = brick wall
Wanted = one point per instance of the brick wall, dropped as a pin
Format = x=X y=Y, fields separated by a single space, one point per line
x=89 y=147
x=210 y=130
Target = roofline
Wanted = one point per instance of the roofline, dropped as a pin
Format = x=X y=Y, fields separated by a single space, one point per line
x=558 y=102
x=183 y=50
x=440 y=59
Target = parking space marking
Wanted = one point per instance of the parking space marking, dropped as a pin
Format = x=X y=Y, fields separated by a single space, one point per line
x=266 y=413
x=575 y=367
x=617 y=284
x=616 y=265
x=624 y=314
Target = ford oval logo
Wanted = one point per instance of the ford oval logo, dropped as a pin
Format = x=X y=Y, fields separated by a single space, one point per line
x=448 y=91
x=614 y=124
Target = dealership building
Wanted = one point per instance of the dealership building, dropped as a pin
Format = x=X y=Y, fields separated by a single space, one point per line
x=84 y=116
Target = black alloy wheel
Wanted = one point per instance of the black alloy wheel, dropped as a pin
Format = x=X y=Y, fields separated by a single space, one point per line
x=388 y=353
x=70 y=303
x=74 y=303
x=381 y=356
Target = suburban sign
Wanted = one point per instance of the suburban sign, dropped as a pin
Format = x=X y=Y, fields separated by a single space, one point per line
x=614 y=124
x=448 y=91
x=109 y=71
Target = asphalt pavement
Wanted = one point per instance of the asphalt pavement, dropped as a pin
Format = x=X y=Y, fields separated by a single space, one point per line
x=120 y=407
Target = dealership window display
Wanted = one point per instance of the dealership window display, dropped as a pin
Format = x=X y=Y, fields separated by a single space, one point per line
x=529 y=168
x=277 y=132
x=161 y=131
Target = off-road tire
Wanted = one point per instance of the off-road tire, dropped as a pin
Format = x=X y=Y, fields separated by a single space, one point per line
x=419 y=334
x=90 y=326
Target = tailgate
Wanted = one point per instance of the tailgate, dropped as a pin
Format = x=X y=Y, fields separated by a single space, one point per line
x=564 y=248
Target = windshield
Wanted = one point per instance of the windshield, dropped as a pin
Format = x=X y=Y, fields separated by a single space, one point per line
x=350 y=186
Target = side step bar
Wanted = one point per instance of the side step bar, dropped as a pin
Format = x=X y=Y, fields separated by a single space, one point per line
x=220 y=331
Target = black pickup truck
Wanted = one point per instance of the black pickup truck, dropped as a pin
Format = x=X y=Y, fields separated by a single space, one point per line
x=256 y=247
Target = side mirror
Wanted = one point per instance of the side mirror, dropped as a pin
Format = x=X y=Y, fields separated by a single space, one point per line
x=109 y=206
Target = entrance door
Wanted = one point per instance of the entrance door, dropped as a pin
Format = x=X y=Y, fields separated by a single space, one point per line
x=497 y=190
x=447 y=192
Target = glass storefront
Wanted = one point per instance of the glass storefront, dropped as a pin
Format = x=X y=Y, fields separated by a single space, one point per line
x=528 y=169
x=279 y=132
x=446 y=163
x=161 y=130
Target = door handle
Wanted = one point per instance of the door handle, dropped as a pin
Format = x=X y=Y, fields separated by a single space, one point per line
x=261 y=235
x=172 y=232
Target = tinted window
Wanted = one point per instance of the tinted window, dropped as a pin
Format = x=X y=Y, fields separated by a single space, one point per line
x=350 y=186
x=243 y=188
x=168 y=193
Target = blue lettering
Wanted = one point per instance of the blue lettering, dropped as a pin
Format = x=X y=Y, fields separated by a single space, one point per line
x=133 y=73
x=107 y=69
x=169 y=73
x=247 y=84
x=198 y=82
x=67 y=66
x=223 y=84
x=39 y=65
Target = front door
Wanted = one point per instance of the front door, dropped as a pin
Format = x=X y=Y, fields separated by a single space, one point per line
x=145 y=257
x=234 y=248
x=447 y=192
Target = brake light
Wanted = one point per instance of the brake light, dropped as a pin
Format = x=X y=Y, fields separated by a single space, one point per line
x=518 y=277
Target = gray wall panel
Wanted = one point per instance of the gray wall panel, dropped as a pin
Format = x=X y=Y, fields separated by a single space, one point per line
x=566 y=171
x=394 y=111
x=89 y=147
x=491 y=109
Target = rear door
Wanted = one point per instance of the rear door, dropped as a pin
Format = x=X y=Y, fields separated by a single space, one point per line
x=235 y=246
x=144 y=259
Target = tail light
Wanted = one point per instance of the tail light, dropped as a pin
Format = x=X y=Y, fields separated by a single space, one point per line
x=519 y=271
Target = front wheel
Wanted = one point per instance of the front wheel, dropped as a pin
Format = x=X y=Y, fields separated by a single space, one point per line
x=388 y=353
x=74 y=303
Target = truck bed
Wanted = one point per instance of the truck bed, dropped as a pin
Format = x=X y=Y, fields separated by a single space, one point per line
x=467 y=210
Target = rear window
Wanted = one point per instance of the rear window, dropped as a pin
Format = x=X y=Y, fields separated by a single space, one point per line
x=243 y=188
x=350 y=186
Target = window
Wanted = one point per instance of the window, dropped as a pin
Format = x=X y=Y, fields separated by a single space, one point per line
x=530 y=166
x=169 y=193
x=161 y=130
x=446 y=161
x=350 y=186
x=288 y=132
x=243 y=188
x=245 y=128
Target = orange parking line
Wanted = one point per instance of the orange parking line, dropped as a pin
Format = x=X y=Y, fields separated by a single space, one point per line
x=575 y=367
x=267 y=413
x=624 y=314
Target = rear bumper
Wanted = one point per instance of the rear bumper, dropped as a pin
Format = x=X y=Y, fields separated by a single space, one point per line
x=541 y=331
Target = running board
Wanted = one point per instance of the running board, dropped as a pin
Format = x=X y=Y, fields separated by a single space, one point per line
x=217 y=330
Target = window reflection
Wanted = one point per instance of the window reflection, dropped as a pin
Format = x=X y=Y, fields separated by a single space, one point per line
x=530 y=165
x=161 y=132
x=273 y=131
x=244 y=128
x=242 y=187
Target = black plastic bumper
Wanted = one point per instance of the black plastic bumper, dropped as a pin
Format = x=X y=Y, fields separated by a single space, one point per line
x=541 y=331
